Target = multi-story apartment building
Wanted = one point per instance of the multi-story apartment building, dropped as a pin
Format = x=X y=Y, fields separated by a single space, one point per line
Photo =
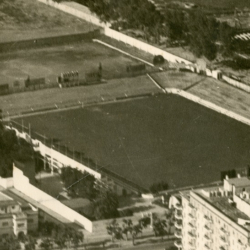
x=16 y=218
x=214 y=218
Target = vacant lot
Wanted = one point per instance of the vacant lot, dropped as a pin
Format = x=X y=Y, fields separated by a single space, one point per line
x=27 y=19
x=50 y=62
x=152 y=139
x=17 y=103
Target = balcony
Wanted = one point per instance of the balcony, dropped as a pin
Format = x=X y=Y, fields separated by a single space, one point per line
x=208 y=219
x=192 y=216
x=178 y=234
x=178 y=225
x=178 y=206
x=208 y=238
x=224 y=240
x=223 y=230
x=207 y=247
x=192 y=243
x=240 y=243
x=191 y=205
x=223 y=248
x=192 y=225
x=178 y=243
x=208 y=228
x=178 y=216
x=192 y=234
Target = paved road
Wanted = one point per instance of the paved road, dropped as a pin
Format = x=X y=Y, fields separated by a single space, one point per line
x=169 y=245
x=156 y=246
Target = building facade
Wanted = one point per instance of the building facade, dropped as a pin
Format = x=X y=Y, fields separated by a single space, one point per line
x=16 y=218
x=214 y=218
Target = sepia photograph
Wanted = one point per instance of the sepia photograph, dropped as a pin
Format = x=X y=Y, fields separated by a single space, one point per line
x=125 y=124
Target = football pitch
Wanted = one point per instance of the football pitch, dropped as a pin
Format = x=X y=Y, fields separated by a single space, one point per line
x=147 y=140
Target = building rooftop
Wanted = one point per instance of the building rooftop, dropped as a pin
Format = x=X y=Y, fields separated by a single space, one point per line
x=8 y=203
x=4 y=197
x=223 y=205
x=26 y=199
x=6 y=200
x=2 y=216
x=239 y=182
x=20 y=215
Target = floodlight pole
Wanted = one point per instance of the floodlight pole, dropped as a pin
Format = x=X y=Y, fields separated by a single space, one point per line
x=29 y=130
x=44 y=154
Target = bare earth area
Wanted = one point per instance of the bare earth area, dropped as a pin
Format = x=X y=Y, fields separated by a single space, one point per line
x=49 y=62
x=27 y=19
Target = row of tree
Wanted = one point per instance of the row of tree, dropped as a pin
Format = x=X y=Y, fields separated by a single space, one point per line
x=204 y=34
x=128 y=230
x=12 y=148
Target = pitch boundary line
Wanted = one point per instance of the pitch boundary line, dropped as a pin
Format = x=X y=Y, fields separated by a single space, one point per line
x=123 y=52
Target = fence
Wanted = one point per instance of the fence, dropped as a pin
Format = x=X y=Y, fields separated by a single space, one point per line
x=56 y=159
x=236 y=84
x=55 y=156
x=21 y=183
x=143 y=46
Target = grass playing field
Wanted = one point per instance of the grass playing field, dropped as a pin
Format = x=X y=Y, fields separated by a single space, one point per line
x=50 y=62
x=158 y=138
x=68 y=97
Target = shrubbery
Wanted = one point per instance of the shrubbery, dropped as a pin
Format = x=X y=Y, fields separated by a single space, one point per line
x=193 y=27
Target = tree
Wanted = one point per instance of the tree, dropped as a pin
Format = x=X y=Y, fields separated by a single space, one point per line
x=159 y=186
x=144 y=222
x=79 y=183
x=106 y=205
x=160 y=227
x=175 y=24
x=11 y=243
x=225 y=37
x=114 y=230
x=158 y=60
x=127 y=227
x=76 y=239
x=46 y=244
x=60 y=237
x=136 y=229
x=203 y=34
x=30 y=243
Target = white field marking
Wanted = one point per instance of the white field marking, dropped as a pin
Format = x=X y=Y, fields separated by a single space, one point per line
x=123 y=52
x=156 y=84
